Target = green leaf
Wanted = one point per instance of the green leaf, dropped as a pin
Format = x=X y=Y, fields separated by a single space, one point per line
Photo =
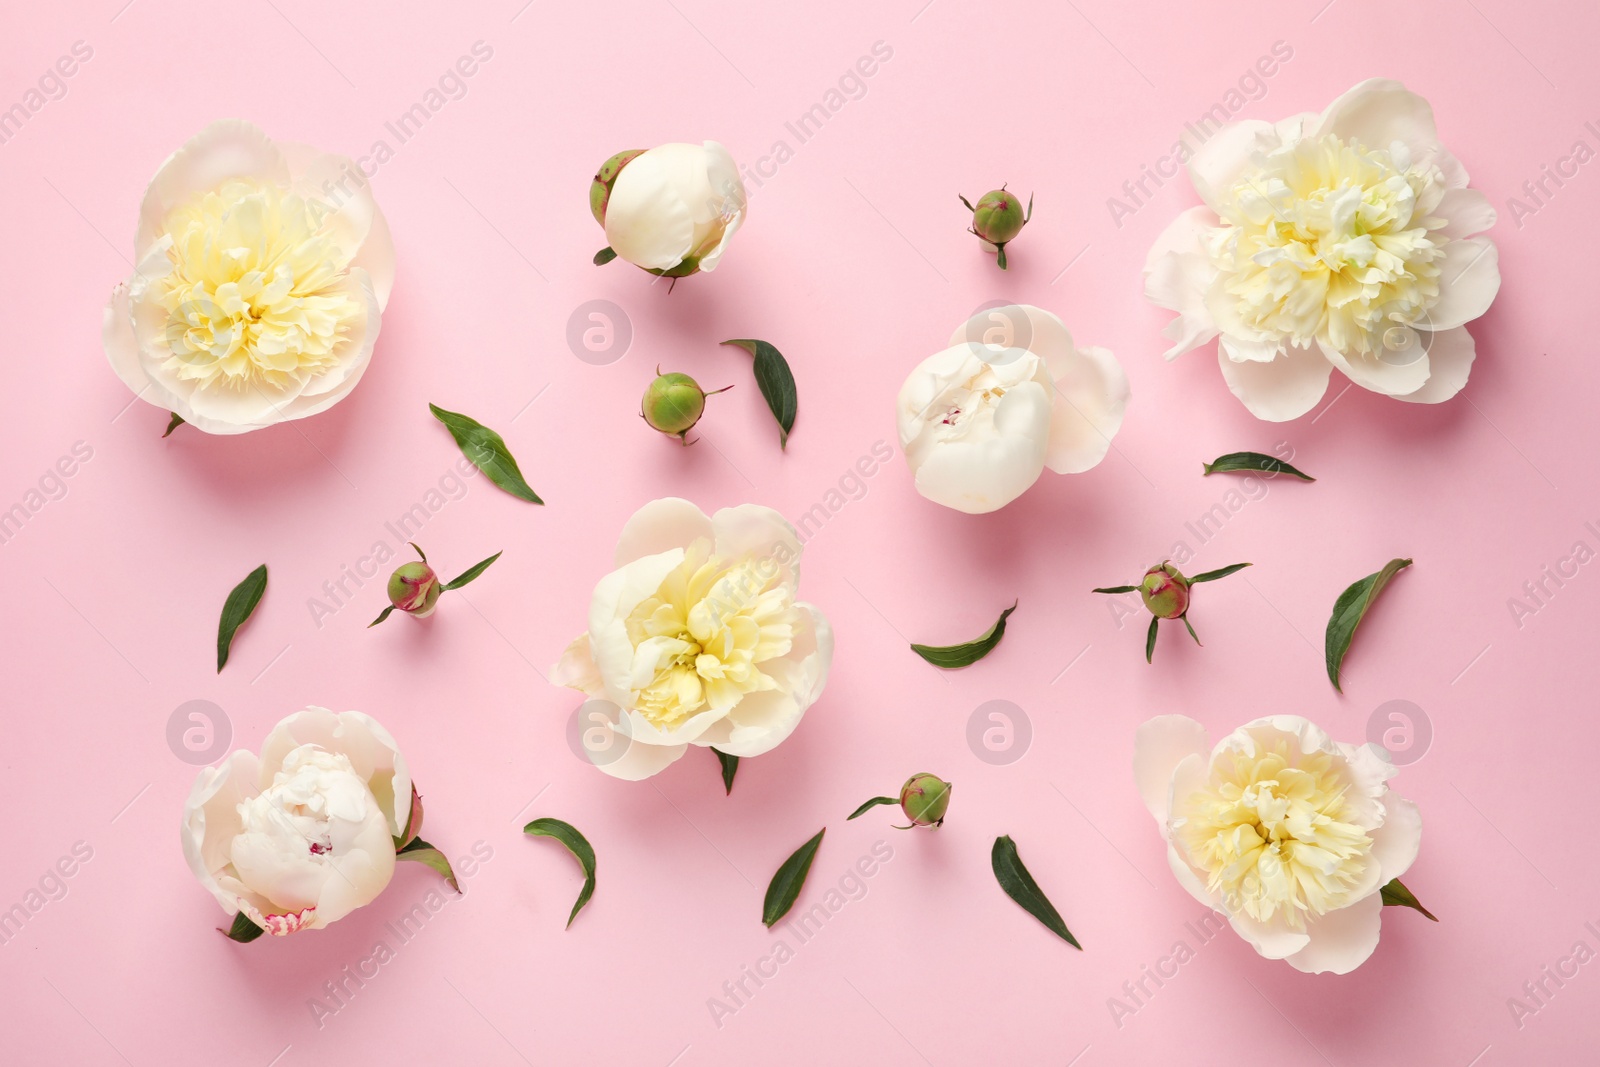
x=488 y=452
x=1251 y=462
x=869 y=805
x=776 y=383
x=1220 y=572
x=966 y=202
x=237 y=608
x=413 y=821
x=790 y=879
x=730 y=767
x=580 y=849
x=1396 y=895
x=422 y=852
x=1116 y=589
x=604 y=256
x=1019 y=885
x=243 y=930
x=1000 y=255
x=172 y=424
x=471 y=572
x=1150 y=640
x=1348 y=611
x=1190 y=625
x=384 y=614
x=951 y=657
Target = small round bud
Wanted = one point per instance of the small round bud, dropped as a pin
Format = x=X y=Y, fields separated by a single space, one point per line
x=414 y=589
x=924 y=799
x=604 y=179
x=1165 y=591
x=998 y=217
x=673 y=404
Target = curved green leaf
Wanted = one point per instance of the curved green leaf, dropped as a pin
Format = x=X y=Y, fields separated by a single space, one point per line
x=243 y=930
x=384 y=614
x=604 y=256
x=419 y=850
x=951 y=657
x=1116 y=589
x=237 y=608
x=791 y=878
x=730 y=767
x=1150 y=639
x=172 y=424
x=1220 y=572
x=580 y=849
x=471 y=572
x=1019 y=885
x=1251 y=463
x=776 y=383
x=488 y=452
x=1348 y=611
x=1396 y=895
x=869 y=805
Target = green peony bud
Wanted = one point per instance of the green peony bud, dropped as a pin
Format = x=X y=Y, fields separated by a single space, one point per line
x=997 y=219
x=674 y=402
x=414 y=589
x=604 y=179
x=1165 y=591
x=924 y=799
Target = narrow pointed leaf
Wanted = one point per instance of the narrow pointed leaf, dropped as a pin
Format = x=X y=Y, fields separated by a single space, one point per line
x=488 y=452
x=869 y=805
x=1396 y=895
x=785 y=886
x=384 y=614
x=1251 y=463
x=1000 y=255
x=1019 y=885
x=950 y=657
x=776 y=384
x=730 y=767
x=576 y=844
x=413 y=821
x=1116 y=589
x=1150 y=640
x=1220 y=572
x=471 y=572
x=1190 y=625
x=422 y=852
x=172 y=424
x=243 y=930
x=1348 y=611
x=604 y=256
x=237 y=608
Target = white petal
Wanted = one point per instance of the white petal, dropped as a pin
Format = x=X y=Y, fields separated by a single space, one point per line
x=607 y=744
x=648 y=222
x=1178 y=274
x=1396 y=842
x=1467 y=211
x=211 y=820
x=1272 y=941
x=372 y=751
x=226 y=149
x=1087 y=409
x=1217 y=164
x=615 y=596
x=1159 y=745
x=1469 y=278
x=348 y=210
x=1450 y=356
x=1341 y=941
x=1283 y=389
x=1392 y=373
x=981 y=473
x=577 y=669
x=761 y=534
x=659 y=526
x=763 y=720
x=722 y=175
x=1191 y=880
x=1378 y=112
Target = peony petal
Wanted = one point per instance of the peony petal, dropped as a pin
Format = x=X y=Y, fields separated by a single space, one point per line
x=722 y=177
x=981 y=474
x=1086 y=412
x=1217 y=164
x=1406 y=374
x=1450 y=356
x=1466 y=212
x=761 y=534
x=1395 y=844
x=608 y=745
x=1159 y=745
x=1190 y=879
x=1378 y=112
x=370 y=747
x=1178 y=273
x=1341 y=941
x=1469 y=278
x=763 y=720
x=648 y=223
x=615 y=596
x=577 y=669
x=211 y=821
x=348 y=210
x=660 y=526
x=1283 y=389
x=225 y=149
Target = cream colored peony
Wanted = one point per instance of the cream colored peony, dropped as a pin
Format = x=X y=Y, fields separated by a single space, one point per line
x=1288 y=832
x=1342 y=240
x=262 y=273
x=306 y=833
x=697 y=639
x=671 y=209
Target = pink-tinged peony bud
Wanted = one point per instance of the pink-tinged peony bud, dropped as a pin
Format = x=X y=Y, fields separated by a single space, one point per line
x=924 y=799
x=997 y=219
x=414 y=589
x=1165 y=591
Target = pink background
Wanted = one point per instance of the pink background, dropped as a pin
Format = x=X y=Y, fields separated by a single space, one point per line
x=856 y=264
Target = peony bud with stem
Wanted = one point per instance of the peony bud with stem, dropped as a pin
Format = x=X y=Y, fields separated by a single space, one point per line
x=414 y=587
x=924 y=799
x=997 y=218
x=674 y=402
x=1166 y=593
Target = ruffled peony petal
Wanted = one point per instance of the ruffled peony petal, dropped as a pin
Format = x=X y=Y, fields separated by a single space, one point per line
x=1178 y=274
x=608 y=745
x=229 y=148
x=347 y=209
x=759 y=533
x=763 y=720
x=1378 y=112
x=1159 y=745
x=1469 y=278
x=722 y=177
x=1450 y=356
x=1395 y=844
x=1086 y=411
x=661 y=526
x=1341 y=941
x=1218 y=163
x=981 y=474
x=577 y=669
x=372 y=751
x=1270 y=940
x=1283 y=389
x=1466 y=212
x=211 y=820
x=1392 y=374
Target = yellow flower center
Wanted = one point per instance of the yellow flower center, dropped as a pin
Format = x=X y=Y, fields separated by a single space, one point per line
x=1330 y=240
x=1273 y=832
x=700 y=639
x=257 y=290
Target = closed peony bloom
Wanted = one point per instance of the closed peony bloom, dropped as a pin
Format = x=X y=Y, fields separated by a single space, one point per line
x=671 y=210
x=306 y=833
x=1336 y=241
x=1012 y=395
x=1288 y=832
x=697 y=638
x=262 y=273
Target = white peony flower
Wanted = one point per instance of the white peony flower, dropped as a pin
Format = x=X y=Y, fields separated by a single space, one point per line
x=671 y=210
x=1341 y=240
x=1288 y=832
x=697 y=639
x=1011 y=396
x=262 y=273
x=306 y=834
